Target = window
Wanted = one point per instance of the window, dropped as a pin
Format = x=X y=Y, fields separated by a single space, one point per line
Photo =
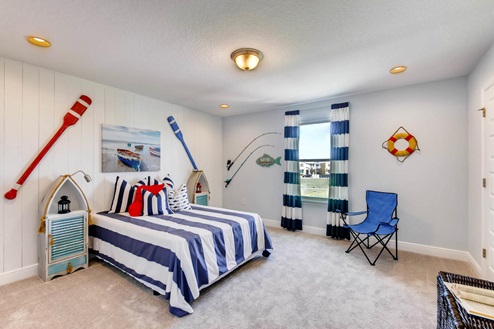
x=314 y=155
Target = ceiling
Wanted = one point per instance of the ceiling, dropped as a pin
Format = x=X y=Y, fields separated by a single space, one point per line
x=179 y=50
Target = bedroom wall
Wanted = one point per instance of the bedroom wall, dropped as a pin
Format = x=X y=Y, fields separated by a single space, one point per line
x=432 y=184
x=33 y=102
x=480 y=75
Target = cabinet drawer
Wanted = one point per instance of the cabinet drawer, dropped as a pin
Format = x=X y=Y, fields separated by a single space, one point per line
x=62 y=267
x=67 y=237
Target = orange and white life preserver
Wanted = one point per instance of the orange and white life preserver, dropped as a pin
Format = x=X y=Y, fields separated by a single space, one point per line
x=412 y=144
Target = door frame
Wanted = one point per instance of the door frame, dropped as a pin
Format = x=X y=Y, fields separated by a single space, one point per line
x=484 y=191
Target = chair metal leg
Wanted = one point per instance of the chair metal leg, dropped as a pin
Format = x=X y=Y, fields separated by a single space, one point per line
x=383 y=241
x=355 y=238
x=385 y=247
x=396 y=242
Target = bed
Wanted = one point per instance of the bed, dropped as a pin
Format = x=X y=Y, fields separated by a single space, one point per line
x=177 y=255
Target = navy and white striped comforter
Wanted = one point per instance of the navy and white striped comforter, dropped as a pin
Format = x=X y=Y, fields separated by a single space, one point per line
x=177 y=255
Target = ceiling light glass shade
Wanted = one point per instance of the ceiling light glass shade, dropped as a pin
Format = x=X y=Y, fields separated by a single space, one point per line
x=37 y=41
x=246 y=58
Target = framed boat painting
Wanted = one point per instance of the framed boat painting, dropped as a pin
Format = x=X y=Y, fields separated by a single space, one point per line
x=129 y=149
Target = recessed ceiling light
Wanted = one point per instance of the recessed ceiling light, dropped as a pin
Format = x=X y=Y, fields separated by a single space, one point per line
x=398 y=69
x=37 y=41
x=224 y=106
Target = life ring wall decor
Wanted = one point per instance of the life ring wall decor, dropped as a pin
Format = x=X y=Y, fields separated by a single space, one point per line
x=401 y=155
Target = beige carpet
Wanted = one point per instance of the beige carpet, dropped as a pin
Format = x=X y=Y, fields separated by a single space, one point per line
x=308 y=282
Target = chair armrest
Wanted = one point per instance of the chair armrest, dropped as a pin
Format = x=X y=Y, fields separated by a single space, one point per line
x=355 y=213
x=394 y=221
x=343 y=215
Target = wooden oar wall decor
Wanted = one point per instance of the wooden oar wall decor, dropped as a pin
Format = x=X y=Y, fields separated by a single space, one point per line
x=197 y=176
x=70 y=118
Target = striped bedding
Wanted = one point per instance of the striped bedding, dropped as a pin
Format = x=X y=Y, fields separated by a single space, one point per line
x=177 y=255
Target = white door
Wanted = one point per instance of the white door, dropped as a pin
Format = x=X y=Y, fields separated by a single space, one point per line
x=488 y=103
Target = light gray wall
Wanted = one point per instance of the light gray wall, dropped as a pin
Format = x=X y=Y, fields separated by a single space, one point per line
x=480 y=75
x=261 y=187
x=432 y=184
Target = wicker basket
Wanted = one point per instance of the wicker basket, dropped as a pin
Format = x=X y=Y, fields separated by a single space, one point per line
x=452 y=315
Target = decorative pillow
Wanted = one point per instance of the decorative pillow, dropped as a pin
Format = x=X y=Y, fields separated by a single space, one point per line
x=178 y=199
x=155 y=204
x=135 y=209
x=168 y=182
x=152 y=181
x=123 y=195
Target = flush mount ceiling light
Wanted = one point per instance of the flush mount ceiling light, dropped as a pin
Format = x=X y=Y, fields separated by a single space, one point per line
x=398 y=69
x=37 y=41
x=246 y=58
x=224 y=106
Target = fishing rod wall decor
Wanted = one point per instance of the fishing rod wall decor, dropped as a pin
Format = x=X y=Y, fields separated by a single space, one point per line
x=229 y=180
x=230 y=163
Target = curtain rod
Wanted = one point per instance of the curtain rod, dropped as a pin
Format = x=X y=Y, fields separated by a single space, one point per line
x=317 y=108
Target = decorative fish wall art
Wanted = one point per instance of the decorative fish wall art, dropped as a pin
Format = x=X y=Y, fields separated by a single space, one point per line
x=267 y=161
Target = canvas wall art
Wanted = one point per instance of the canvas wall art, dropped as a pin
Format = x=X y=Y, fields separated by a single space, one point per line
x=129 y=149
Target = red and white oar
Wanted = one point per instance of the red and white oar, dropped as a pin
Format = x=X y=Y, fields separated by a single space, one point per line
x=70 y=118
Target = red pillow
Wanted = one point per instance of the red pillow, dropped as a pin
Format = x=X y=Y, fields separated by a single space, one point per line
x=135 y=209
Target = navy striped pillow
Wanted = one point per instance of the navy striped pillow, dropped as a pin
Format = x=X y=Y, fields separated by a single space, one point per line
x=168 y=181
x=155 y=204
x=148 y=181
x=123 y=195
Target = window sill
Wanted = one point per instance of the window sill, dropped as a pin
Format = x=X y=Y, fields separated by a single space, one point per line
x=315 y=200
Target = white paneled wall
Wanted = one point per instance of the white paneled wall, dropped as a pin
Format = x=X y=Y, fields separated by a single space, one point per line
x=33 y=102
x=2 y=160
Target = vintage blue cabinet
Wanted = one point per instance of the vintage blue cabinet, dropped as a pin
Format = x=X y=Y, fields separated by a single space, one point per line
x=201 y=198
x=63 y=237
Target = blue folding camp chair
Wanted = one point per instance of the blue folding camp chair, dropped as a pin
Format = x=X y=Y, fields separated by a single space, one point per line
x=381 y=223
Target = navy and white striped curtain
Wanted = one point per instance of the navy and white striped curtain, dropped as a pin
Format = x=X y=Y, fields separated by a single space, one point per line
x=338 y=178
x=291 y=216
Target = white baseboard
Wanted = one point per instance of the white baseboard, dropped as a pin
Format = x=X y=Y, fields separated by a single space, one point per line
x=475 y=266
x=32 y=270
x=432 y=251
x=405 y=246
x=19 y=274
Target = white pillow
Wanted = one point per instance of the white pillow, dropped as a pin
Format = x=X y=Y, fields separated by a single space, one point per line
x=178 y=199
